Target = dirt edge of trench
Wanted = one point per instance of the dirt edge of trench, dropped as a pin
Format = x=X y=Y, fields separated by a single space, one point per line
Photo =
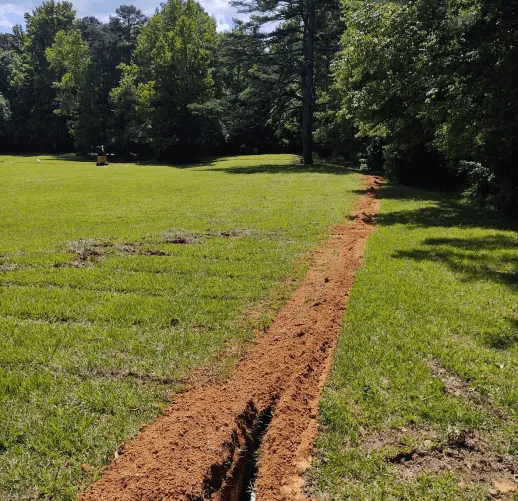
x=201 y=447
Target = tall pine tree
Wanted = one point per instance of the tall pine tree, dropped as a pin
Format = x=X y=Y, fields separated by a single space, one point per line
x=302 y=22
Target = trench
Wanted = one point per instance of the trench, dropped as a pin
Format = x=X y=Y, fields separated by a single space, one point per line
x=241 y=483
x=206 y=444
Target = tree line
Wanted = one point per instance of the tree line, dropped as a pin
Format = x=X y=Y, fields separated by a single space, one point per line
x=425 y=89
x=432 y=86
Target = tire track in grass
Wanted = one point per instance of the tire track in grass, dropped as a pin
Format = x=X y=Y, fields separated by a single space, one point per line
x=200 y=447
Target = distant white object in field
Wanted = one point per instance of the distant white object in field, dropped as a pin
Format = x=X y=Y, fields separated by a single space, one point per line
x=39 y=161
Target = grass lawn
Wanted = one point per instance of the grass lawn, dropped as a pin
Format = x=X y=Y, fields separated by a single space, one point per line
x=423 y=399
x=117 y=282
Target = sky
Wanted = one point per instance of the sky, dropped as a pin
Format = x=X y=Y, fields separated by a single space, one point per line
x=12 y=13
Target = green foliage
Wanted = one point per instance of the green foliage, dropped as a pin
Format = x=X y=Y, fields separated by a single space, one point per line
x=171 y=71
x=130 y=134
x=126 y=25
x=426 y=88
x=434 y=81
x=111 y=45
x=43 y=25
x=5 y=114
x=296 y=63
x=243 y=95
x=45 y=128
x=69 y=57
x=189 y=92
x=380 y=75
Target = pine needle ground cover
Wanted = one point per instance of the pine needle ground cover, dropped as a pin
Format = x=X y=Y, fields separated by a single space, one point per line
x=117 y=282
x=423 y=399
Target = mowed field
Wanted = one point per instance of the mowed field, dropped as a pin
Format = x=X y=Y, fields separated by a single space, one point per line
x=422 y=404
x=117 y=282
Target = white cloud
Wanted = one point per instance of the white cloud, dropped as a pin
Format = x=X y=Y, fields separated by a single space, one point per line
x=5 y=23
x=223 y=24
x=9 y=8
x=220 y=9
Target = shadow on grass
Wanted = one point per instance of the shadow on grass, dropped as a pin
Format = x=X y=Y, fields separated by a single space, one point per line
x=151 y=162
x=490 y=255
x=73 y=157
x=285 y=169
x=499 y=261
x=448 y=210
x=217 y=164
x=501 y=268
x=69 y=157
x=505 y=340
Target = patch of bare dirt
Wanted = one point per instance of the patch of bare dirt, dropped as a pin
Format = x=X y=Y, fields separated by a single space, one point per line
x=181 y=237
x=7 y=267
x=128 y=248
x=398 y=439
x=90 y=251
x=466 y=454
x=195 y=451
x=87 y=252
x=87 y=245
x=453 y=384
x=155 y=252
x=469 y=457
x=231 y=234
x=457 y=387
x=190 y=237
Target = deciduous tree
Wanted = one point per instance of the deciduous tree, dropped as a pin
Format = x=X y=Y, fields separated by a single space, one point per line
x=77 y=85
x=46 y=129
x=170 y=73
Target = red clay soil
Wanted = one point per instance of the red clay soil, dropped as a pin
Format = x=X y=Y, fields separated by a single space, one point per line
x=197 y=449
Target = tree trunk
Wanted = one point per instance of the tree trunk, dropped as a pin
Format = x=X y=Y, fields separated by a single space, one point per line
x=308 y=83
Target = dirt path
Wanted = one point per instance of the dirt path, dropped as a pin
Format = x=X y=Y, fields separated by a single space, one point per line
x=197 y=449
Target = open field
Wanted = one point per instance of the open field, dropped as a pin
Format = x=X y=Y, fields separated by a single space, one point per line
x=116 y=282
x=423 y=399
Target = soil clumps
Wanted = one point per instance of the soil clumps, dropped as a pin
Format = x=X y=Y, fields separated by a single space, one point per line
x=195 y=450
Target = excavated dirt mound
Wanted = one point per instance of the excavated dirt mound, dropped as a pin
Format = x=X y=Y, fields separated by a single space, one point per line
x=199 y=448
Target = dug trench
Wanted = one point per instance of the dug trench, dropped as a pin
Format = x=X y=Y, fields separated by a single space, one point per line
x=205 y=445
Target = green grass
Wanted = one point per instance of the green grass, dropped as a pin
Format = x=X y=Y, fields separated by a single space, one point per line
x=94 y=332
x=439 y=287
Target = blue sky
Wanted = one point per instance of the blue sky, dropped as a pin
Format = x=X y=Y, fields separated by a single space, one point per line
x=11 y=13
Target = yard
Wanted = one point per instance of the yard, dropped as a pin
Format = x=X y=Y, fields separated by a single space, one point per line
x=123 y=285
x=117 y=282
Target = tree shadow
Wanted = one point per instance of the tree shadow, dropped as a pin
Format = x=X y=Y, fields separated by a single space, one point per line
x=490 y=242
x=439 y=210
x=150 y=162
x=487 y=257
x=504 y=340
x=339 y=170
x=476 y=257
x=463 y=257
x=73 y=157
x=59 y=157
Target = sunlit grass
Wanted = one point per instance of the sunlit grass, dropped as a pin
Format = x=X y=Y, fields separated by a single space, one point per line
x=117 y=282
x=439 y=286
